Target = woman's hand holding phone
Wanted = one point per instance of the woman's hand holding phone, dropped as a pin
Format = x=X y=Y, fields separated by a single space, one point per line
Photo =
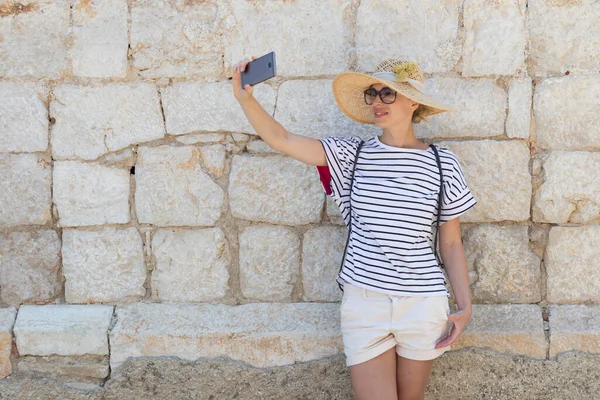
x=241 y=94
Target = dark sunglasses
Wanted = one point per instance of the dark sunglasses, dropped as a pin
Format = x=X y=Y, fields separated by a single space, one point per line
x=387 y=95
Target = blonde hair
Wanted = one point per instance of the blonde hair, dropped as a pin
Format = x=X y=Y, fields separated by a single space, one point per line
x=420 y=115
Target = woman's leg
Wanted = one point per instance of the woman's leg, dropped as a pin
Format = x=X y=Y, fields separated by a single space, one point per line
x=412 y=377
x=375 y=379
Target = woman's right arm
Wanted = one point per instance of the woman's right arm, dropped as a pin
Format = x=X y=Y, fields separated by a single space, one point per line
x=302 y=148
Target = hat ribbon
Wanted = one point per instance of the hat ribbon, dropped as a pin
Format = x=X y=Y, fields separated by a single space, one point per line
x=390 y=76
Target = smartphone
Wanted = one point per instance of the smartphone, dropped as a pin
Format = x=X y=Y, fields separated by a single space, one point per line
x=259 y=70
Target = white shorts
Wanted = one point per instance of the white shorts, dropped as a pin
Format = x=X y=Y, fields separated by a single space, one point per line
x=374 y=322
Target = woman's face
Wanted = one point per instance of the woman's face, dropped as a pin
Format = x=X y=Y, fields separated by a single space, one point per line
x=399 y=111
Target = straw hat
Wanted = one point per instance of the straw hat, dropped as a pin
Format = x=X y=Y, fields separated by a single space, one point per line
x=405 y=77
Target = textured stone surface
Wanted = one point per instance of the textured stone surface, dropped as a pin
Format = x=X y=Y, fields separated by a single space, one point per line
x=90 y=194
x=7 y=321
x=428 y=35
x=506 y=269
x=29 y=264
x=322 y=253
x=275 y=189
x=574 y=327
x=100 y=38
x=259 y=146
x=269 y=262
x=65 y=330
x=191 y=107
x=213 y=157
x=201 y=138
x=572 y=264
x=309 y=109
x=518 y=121
x=262 y=335
x=179 y=38
x=92 y=121
x=172 y=190
x=103 y=266
x=497 y=173
x=567 y=125
x=191 y=265
x=333 y=212
x=506 y=328
x=34 y=38
x=25 y=187
x=557 y=44
x=570 y=192
x=480 y=109
x=23 y=117
x=308 y=22
x=63 y=367
x=485 y=21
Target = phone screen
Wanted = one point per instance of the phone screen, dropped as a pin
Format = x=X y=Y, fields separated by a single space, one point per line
x=259 y=70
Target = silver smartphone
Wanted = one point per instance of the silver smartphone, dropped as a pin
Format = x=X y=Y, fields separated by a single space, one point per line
x=259 y=70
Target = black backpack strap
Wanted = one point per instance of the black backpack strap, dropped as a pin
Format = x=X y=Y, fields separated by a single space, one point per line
x=350 y=209
x=439 y=213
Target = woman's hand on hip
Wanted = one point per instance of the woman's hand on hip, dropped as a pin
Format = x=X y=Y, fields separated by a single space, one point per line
x=459 y=320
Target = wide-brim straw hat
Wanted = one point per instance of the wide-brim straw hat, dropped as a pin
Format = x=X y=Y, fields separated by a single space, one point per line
x=405 y=77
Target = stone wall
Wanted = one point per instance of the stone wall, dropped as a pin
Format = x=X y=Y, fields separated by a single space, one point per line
x=140 y=215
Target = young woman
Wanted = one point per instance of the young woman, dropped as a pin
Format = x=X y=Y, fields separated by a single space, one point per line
x=395 y=312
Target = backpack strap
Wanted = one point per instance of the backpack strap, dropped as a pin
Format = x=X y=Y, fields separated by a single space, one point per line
x=440 y=199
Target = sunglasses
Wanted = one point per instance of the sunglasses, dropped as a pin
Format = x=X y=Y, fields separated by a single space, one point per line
x=387 y=95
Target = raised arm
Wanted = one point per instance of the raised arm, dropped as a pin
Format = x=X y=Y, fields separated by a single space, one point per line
x=302 y=148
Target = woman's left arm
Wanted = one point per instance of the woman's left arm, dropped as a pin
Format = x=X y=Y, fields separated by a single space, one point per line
x=453 y=256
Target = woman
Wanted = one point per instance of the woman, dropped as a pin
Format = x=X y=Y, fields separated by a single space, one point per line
x=395 y=311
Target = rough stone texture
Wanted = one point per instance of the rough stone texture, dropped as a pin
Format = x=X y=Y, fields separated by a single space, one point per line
x=428 y=35
x=179 y=38
x=23 y=117
x=34 y=38
x=557 y=44
x=92 y=121
x=172 y=190
x=90 y=194
x=518 y=121
x=308 y=22
x=275 y=189
x=497 y=173
x=261 y=335
x=506 y=328
x=213 y=157
x=29 y=264
x=7 y=321
x=485 y=21
x=333 y=212
x=309 y=109
x=505 y=267
x=269 y=262
x=574 y=327
x=65 y=330
x=100 y=38
x=572 y=264
x=480 y=107
x=103 y=266
x=191 y=107
x=201 y=138
x=259 y=146
x=25 y=187
x=322 y=253
x=191 y=265
x=570 y=192
x=61 y=367
x=568 y=125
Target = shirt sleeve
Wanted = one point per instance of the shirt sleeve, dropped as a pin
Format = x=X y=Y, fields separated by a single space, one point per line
x=457 y=196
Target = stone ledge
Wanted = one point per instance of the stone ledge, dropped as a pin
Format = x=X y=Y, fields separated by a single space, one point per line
x=574 y=327
x=7 y=321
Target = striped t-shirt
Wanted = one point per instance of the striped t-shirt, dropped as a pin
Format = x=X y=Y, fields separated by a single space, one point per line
x=394 y=211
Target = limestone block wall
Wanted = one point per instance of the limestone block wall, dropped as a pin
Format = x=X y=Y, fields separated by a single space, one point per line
x=140 y=214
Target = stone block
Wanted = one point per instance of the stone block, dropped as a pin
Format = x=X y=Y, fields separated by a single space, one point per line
x=518 y=121
x=29 y=265
x=213 y=157
x=269 y=262
x=172 y=190
x=191 y=265
x=275 y=189
x=65 y=367
x=23 y=117
x=64 y=330
x=7 y=322
x=25 y=190
x=90 y=194
x=333 y=212
x=574 y=328
x=260 y=334
x=201 y=138
x=106 y=265
x=92 y=121
x=259 y=146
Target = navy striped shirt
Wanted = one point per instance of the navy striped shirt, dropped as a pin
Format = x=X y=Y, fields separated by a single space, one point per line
x=394 y=211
